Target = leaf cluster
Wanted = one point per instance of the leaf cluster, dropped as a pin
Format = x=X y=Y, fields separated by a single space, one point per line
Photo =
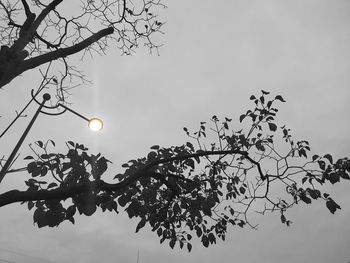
x=198 y=189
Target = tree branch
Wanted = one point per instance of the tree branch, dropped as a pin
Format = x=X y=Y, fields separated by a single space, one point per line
x=207 y=153
x=26 y=8
x=14 y=69
x=29 y=32
x=62 y=193
x=64 y=52
x=45 y=12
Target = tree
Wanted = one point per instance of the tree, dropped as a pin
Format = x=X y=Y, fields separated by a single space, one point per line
x=34 y=33
x=200 y=187
x=184 y=189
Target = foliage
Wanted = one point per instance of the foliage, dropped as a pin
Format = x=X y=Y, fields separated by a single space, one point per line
x=198 y=189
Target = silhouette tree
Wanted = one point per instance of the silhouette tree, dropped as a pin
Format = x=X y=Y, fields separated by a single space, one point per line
x=36 y=32
x=215 y=180
x=200 y=187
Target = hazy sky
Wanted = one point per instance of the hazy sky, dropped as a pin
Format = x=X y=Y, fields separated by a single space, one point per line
x=216 y=54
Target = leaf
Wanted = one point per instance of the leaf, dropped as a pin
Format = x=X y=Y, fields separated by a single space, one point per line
x=241 y=118
x=44 y=156
x=304 y=198
x=89 y=209
x=190 y=145
x=155 y=147
x=329 y=158
x=122 y=201
x=211 y=238
x=53 y=143
x=269 y=104
x=206 y=209
x=190 y=163
x=232 y=212
x=344 y=175
x=242 y=190
x=73 y=155
x=42 y=221
x=334 y=178
x=259 y=146
x=162 y=239
x=140 y=225
x=302 y=152
x=198 y=231
x=262 y=99
x=172 y=243
x=28 y=157
x=151 y=156
x=189 y=247
x=30 y=205
x=332 y=206
x=71 y=143
x=205 y=241
x=71 y=211
x=265 y=92
x=181 y=244
x=71 y=219
x=322 y=165
x=232 y=222
x=279 y=97
x=53 y=218
x=252 y=97
x=40 y=144
x=36 y=215
x=241 y=224
x=36 y=171
x=43 y=171
x=315 y=157
x=314 y=193
x=283 y=219
x=100 y=167
x=66 y=166
x=272 y=126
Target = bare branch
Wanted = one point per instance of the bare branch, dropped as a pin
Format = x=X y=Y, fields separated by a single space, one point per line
x=26 y=8
x=64 y=52
x=207 y=153
x=31 y=25
x=14 y=69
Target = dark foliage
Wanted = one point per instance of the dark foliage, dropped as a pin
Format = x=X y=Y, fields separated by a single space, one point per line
x=198 y=189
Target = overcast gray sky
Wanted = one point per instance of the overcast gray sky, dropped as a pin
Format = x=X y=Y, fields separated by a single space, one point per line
x=216 y=54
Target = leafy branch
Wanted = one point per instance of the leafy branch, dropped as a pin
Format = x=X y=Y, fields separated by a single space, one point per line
x=181 y=190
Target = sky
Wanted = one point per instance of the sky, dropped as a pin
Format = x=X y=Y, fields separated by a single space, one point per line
x=215 y=55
